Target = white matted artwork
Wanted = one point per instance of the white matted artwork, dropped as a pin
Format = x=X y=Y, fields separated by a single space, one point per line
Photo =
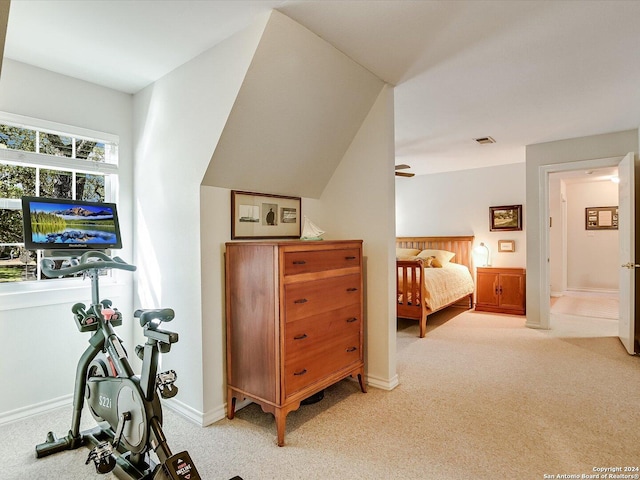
x=506 y=245
x=601 y=218
x=263 y=215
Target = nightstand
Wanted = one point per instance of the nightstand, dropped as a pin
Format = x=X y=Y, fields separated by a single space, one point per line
x=501 y=290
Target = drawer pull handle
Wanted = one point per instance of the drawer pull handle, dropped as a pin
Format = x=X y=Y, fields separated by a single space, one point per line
x=301 y=372
x=300 y=337
x=299 y=262
x=351 y=349
x=351 y=320
x=352 y=289
x=300 y=300
x=350 y=258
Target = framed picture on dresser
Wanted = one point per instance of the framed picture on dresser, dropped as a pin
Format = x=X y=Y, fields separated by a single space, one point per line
x=263 y=215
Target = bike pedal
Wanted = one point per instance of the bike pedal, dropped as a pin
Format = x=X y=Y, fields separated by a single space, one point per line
x=165 y=383
x=102 y=456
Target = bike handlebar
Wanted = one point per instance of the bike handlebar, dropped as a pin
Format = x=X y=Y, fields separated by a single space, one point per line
x=88 y=261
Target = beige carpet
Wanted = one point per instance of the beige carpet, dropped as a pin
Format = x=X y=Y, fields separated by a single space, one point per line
x=481 y=397
x=587 y=305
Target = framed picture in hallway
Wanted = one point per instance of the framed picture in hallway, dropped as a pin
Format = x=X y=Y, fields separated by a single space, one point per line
x=601 y=218
x=505 y=218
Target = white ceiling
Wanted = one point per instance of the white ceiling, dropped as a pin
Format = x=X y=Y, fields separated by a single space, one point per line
x=522 y=72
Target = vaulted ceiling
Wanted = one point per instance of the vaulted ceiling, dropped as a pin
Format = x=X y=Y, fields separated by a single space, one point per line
x=523 y=72
x=293 y=119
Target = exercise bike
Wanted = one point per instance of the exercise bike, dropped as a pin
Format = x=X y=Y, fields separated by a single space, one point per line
x=126 y=407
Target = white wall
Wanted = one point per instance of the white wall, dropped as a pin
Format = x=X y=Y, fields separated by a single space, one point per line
x=358 y=202
x=540 y=160
x=367 y=215
x=457 y=203
x=39 y=343
x=592 y=255
x=177 y=123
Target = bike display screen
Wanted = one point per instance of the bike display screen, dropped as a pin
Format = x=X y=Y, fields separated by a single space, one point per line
x=53 y=223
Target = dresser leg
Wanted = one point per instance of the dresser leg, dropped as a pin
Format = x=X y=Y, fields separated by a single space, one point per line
x=281 y=422
x=231 y=404
x=363 y=387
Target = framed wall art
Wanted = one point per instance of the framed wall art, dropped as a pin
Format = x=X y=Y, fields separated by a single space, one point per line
x=505 y=218
x=262 y=215
x=601 y=218
x=506 y=246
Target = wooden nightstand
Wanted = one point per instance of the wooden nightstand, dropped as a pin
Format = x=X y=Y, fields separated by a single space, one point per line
x=501 y=290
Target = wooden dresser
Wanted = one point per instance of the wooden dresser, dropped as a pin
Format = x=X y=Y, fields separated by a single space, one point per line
x=294 y=321
x=501 y=290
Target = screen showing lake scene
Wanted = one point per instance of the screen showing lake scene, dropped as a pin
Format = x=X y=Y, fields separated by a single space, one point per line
x=56 y=223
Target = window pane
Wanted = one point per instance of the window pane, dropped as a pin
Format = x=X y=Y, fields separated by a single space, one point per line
x=17 y=264
x=55 y=184
x=11 y=226
x=53 y=144
x=60 y=264
x=17 y=181
x=17 y=138
x=89 y=150
x=90 y=187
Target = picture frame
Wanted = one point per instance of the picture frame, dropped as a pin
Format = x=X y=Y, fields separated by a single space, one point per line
x=505 y=218
x=601 y=218
x=264 y=215
x=508 y=246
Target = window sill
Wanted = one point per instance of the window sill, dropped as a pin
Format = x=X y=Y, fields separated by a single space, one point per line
x=37 y=294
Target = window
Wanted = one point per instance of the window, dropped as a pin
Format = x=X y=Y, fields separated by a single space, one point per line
x=39 y=158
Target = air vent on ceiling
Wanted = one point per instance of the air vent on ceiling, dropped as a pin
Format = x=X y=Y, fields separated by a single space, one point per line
x=484 y=140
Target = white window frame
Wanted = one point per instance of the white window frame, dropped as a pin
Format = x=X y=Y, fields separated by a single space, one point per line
x=23 y=294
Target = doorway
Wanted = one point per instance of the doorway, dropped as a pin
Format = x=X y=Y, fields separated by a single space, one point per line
x=583 y=267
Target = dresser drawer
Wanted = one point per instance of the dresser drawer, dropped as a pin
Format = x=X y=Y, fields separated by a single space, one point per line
x=311 y=334
x=303 y=370
x=309 y=261
x=305 y=299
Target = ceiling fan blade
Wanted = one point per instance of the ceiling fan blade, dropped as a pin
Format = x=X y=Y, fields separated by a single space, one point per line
x=404 y=174
x=402 y=166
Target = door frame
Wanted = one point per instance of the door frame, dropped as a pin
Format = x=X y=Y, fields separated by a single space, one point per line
x=543 y=185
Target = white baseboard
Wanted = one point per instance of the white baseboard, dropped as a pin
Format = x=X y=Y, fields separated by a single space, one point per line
x=537 y=325
x=182 y=409
x=591 y=291
x=382 y=383
x=201 y=419
x=185 y=411
x=36 y=409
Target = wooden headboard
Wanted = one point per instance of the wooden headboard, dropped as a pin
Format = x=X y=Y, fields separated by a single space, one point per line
x=461 y=246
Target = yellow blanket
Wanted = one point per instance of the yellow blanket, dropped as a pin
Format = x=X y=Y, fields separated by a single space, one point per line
x=444 y=285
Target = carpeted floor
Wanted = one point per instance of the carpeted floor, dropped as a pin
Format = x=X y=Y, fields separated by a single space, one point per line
x=587 y=305
x=481 y=397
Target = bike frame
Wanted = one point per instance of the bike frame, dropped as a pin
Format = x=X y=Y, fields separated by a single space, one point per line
x=104 y=338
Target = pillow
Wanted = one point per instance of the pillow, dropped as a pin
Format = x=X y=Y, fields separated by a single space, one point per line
x=431 y=262
x=442 y=256
x=405 y=253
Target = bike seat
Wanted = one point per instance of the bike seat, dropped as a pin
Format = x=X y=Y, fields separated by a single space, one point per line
x=146 y=315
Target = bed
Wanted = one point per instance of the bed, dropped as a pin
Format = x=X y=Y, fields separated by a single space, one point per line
x=430 y=278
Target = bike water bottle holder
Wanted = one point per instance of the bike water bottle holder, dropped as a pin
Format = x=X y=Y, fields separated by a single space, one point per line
x=87 y=320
